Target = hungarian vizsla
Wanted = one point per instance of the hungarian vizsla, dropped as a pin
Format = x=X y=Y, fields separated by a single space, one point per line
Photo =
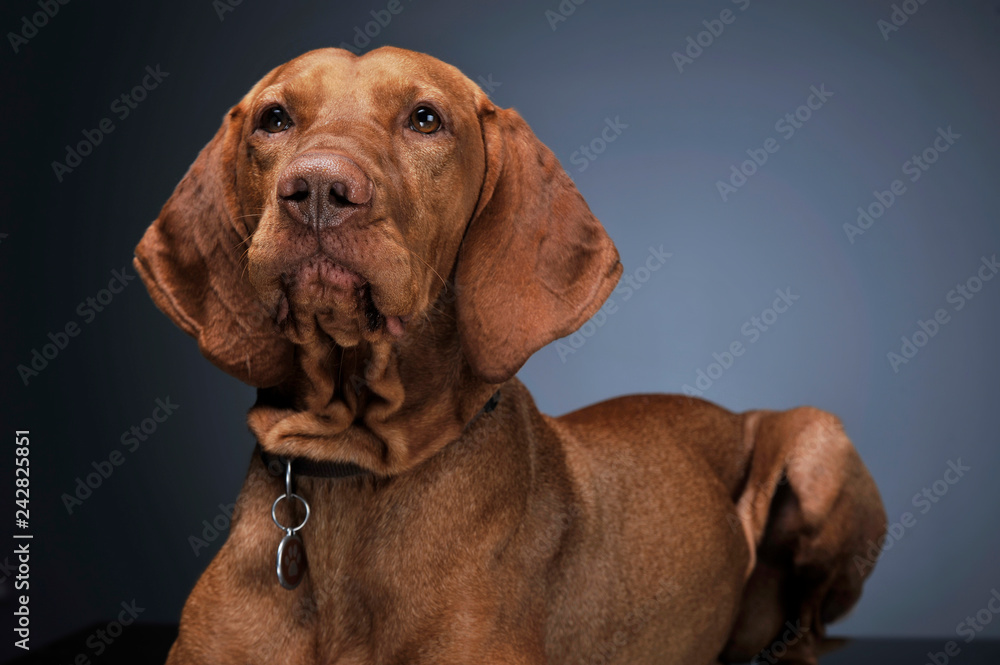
x=378 y=249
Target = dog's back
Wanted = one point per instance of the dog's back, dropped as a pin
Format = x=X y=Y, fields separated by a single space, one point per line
x=788 y=484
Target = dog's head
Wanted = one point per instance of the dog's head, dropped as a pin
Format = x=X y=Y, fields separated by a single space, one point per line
x=348 y=202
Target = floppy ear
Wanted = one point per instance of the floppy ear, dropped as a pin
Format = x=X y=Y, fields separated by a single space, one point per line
x=535 y=263
x=190 y=260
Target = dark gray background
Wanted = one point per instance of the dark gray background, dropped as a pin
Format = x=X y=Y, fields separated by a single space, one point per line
x=654 y=185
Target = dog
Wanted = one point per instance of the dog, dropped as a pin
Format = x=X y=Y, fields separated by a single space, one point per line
x=378 y=248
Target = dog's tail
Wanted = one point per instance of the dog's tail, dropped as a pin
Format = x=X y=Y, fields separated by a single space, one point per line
x=812 y=516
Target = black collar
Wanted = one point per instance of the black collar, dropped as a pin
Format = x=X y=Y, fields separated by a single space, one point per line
x=304 y=466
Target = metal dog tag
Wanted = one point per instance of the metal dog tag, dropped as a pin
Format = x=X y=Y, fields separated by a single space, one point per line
x=291 y=564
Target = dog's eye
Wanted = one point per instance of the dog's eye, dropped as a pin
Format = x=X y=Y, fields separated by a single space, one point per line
x=425 y=120
x=275 y=120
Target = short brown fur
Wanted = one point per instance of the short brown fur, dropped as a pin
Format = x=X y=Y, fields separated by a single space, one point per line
x=644 y=529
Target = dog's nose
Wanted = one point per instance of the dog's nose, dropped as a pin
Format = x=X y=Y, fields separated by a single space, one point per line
x=323 y=189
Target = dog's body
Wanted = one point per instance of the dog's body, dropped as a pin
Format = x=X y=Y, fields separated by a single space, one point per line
x=646 y=529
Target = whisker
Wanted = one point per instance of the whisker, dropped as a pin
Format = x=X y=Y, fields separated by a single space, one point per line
x=444 y=282
x=244 y=241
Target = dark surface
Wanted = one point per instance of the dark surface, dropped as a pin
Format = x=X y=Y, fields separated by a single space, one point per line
x=142 y=644
x=913 y=652
x=137 y=644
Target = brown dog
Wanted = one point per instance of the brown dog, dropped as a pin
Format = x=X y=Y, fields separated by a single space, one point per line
x=379 y=249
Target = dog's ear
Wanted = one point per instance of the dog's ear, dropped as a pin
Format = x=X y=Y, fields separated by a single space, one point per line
x=535 y=263
x=191 y=261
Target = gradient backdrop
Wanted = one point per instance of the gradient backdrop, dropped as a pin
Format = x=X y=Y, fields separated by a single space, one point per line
x=662 y=133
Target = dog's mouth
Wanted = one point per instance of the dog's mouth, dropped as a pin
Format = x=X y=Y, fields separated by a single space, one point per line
x=336 y=296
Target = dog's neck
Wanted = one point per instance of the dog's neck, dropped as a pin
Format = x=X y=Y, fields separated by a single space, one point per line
x=305 y=466
x=384 y=405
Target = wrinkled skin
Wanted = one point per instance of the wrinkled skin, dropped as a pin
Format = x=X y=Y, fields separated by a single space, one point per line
x=378 y=283
x=408 y=237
